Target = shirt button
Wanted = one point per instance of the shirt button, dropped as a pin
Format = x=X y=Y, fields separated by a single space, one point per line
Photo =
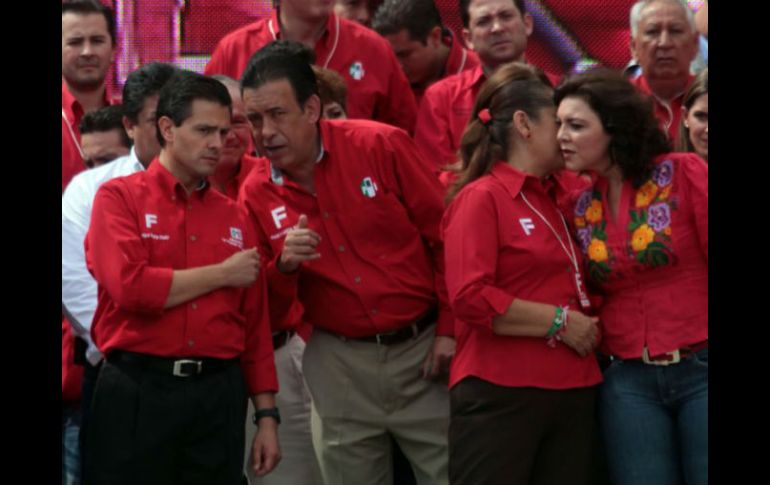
x=189 y=206
x=357 y=279
x=194 y=306
x=569 y=269
x=190 y=343
x=375 y=311
x=326 y=215
x=571 y=301
x=342 y=249
x=193 y=238
x=173 y=197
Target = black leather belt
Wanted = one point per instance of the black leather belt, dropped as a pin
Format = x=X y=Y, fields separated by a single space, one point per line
x=282 y=338
x=402 y=334
x=180 y=367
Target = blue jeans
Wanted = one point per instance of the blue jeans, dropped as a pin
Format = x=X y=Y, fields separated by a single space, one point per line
x=70 y=447
x=654 y=421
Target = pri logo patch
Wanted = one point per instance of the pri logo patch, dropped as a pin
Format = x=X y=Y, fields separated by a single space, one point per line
x=368 y=187
x=357 y=71
x=236 y=234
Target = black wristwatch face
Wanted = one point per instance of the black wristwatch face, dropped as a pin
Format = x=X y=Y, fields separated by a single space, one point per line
x=267 y=413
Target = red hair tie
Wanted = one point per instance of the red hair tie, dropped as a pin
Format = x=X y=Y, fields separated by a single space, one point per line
x=484 y=116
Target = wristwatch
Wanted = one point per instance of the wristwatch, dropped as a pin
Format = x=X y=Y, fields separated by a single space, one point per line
x=267 y=413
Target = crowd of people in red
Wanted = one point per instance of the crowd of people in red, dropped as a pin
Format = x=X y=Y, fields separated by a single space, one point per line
x=361 y=249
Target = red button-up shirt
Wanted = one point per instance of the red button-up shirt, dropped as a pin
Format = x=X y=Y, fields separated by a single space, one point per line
x=459 y=60
x=651 y=264
x=444 y=112
x=668 y=113
x=143 y=227
x=72 y=162
x=498 y=249
x=377 y=87
x=377 y=209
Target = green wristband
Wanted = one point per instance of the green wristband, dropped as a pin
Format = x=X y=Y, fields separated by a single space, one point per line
x=557 y=322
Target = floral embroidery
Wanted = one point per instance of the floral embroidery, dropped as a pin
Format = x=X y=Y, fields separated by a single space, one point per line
x=649 y=230
x=650 y=225
x=591 y=234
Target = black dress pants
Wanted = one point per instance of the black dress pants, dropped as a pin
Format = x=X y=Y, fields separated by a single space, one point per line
x=519 y=436
x=152 y=428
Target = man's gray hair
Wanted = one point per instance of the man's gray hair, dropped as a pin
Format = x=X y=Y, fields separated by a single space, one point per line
x=636 y=13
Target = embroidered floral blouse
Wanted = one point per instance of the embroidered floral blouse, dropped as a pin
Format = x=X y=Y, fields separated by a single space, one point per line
x=651 y=264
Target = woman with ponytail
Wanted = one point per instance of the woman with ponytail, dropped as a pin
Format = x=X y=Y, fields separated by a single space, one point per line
x=522 y=382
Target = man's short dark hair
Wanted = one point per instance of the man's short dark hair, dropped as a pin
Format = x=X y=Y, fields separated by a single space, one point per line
x=105 y=119
x=177 y=96
x=86 y=7
x=418 y=17
x=466 y=18
x=278 y=61
x=141 y=84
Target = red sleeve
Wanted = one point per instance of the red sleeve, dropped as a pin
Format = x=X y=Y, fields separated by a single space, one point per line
x=221 y=61
x=431 y=133
x=397 y=107
x=257 y=360
x=422 y=195
x=695 y=181
x=117 y=258
x=471 y=240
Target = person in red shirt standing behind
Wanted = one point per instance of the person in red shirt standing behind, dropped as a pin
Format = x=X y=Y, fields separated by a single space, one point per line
x=497 y=31
x=643 y=228
x=377 y=88
x=235 y=163
x=426 y=49
x=522 y=384
x=181 y=304
x=664 y=42
x=87 y=47
x=349 y=222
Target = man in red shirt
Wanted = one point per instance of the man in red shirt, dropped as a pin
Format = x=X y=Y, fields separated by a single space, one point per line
x=87 y=46
x=181 y=304
x=426 y=50
x=497 y=30
x=664 y=42
x=377 y=88
x=348 y=220
x=235 y=163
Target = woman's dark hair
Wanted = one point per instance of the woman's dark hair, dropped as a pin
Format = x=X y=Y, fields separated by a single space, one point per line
x=626 y=115
x=513 y=87
x=699 y=87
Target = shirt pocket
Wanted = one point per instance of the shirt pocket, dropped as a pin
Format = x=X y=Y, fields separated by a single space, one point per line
x=378 y=225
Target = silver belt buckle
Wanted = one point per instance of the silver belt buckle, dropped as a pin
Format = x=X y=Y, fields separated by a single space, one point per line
x=178 y=367
x=675 y=358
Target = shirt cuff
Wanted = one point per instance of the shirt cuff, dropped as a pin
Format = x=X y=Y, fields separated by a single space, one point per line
x=498 y=299
x=260 y=375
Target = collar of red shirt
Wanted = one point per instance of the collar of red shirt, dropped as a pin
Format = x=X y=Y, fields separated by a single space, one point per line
x=643 y=85
x=71 y=105
x=513 y=180
x=169 y=184
x=327 y=44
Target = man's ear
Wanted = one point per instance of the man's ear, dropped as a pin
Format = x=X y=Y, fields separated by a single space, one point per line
x=313 y=108
x=166 y=126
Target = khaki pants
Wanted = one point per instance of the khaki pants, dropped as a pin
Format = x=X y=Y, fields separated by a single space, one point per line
x=298 y=465
x=363 y=391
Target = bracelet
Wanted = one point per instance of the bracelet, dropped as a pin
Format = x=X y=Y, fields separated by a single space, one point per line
x=557 y=321
x=267 y=413
x=559 y=326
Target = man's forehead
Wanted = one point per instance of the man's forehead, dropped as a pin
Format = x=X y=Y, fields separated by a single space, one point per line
x=653 y=11
x=478 y=8
x=79 y=23
x=277 y=93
